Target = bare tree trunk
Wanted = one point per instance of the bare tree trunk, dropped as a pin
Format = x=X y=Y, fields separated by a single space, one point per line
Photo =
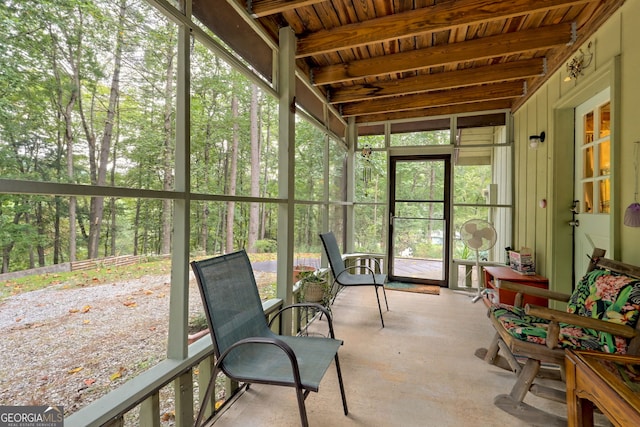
x=254 y=208
x=167 y=183
x=27 y=221
x=66 y=111
x=6 y=257
x=233 y=173
x=265 y=174
x=97 y=203
x=57 y=239
x=112 y=202
x=41 y=233
x=136 y=228
x=204 y=229
x=6 y=250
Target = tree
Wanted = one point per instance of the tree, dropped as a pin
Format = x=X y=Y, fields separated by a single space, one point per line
x=99 y=167
x=168 y=152
x=233 y=172
x=87 y=96
x=254 y=212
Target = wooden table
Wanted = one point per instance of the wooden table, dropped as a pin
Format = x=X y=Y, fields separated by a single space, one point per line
x=493 y=274
x=593 y=378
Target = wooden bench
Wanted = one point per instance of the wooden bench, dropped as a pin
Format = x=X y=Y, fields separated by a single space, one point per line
x=605 y=303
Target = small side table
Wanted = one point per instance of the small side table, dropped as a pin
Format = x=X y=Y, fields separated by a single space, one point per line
x=606 y=381
x=493 y=274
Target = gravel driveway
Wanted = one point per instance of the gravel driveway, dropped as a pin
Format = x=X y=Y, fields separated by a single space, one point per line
x=69 y=346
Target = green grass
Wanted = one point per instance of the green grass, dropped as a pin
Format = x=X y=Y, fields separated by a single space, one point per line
x=83 y=278
x=101 y=275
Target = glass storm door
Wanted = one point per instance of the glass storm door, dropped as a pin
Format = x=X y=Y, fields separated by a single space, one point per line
x=419 y=219
x=592 y=179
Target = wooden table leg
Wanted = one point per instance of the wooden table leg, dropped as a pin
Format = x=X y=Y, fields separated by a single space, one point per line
x=572 y=400
x=579 y=410
x=585 y=412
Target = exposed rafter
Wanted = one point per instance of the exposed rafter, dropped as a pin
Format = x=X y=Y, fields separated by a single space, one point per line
x=441 y=16
x=481 y=48
x=507 y=71
x=378 y=60
x=501 y=104
x=435 y=99
x=259 y=8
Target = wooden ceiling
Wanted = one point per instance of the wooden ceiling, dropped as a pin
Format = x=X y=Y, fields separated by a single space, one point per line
x=379 y=60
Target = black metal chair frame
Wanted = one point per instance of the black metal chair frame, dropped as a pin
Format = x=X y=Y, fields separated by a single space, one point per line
x=303 y=373
x=343 y=277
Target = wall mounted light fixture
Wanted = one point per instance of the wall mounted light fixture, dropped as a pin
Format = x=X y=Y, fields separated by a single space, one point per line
x=534 y=140
x=577 y=64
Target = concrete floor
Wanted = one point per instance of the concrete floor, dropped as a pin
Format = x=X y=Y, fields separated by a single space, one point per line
x=419 y=370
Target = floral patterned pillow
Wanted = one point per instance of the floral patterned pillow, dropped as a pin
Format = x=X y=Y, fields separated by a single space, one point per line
x=600 y=294
x=606 y=295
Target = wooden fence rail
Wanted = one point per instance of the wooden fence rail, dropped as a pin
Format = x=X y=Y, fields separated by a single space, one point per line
x=87 y=264
x=116 y=261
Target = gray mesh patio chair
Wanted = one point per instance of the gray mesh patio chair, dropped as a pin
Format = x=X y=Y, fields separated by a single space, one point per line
x=343 y=277
x=246 y=349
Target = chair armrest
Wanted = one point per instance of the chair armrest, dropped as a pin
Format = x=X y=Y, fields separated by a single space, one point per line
x=577 y=320
x=532 y=290
x=359 y=267
x=286 y=349
x=320 y=307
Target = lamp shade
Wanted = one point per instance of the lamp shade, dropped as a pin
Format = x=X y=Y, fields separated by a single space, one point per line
x=632 y=215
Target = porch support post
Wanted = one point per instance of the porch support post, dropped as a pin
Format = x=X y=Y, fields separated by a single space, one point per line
x=177 y=347
x=179 y=294
x=286 y=178
x=350 y=176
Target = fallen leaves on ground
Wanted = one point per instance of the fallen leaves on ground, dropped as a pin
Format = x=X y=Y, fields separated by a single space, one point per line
x=168 y=416
x=118 y=374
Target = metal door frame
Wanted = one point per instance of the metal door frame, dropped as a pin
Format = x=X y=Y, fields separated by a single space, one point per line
x=447 y=159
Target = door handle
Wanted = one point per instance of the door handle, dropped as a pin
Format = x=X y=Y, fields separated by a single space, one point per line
x=575 y=207
x=575 y=223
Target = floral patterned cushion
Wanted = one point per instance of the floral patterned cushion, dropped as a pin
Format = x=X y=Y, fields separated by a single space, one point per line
x=601 y=295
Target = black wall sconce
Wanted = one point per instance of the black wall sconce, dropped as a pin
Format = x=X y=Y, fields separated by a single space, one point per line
x=534 y=140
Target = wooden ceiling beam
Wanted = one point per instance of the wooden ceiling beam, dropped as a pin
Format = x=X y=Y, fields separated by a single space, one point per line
x=480 y=48
x=260 y=8
x=501 y=104
x=507 y=71
x=434 y=99
x=441 y=16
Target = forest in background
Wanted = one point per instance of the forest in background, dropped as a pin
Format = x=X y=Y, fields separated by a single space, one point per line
x=88 y=96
